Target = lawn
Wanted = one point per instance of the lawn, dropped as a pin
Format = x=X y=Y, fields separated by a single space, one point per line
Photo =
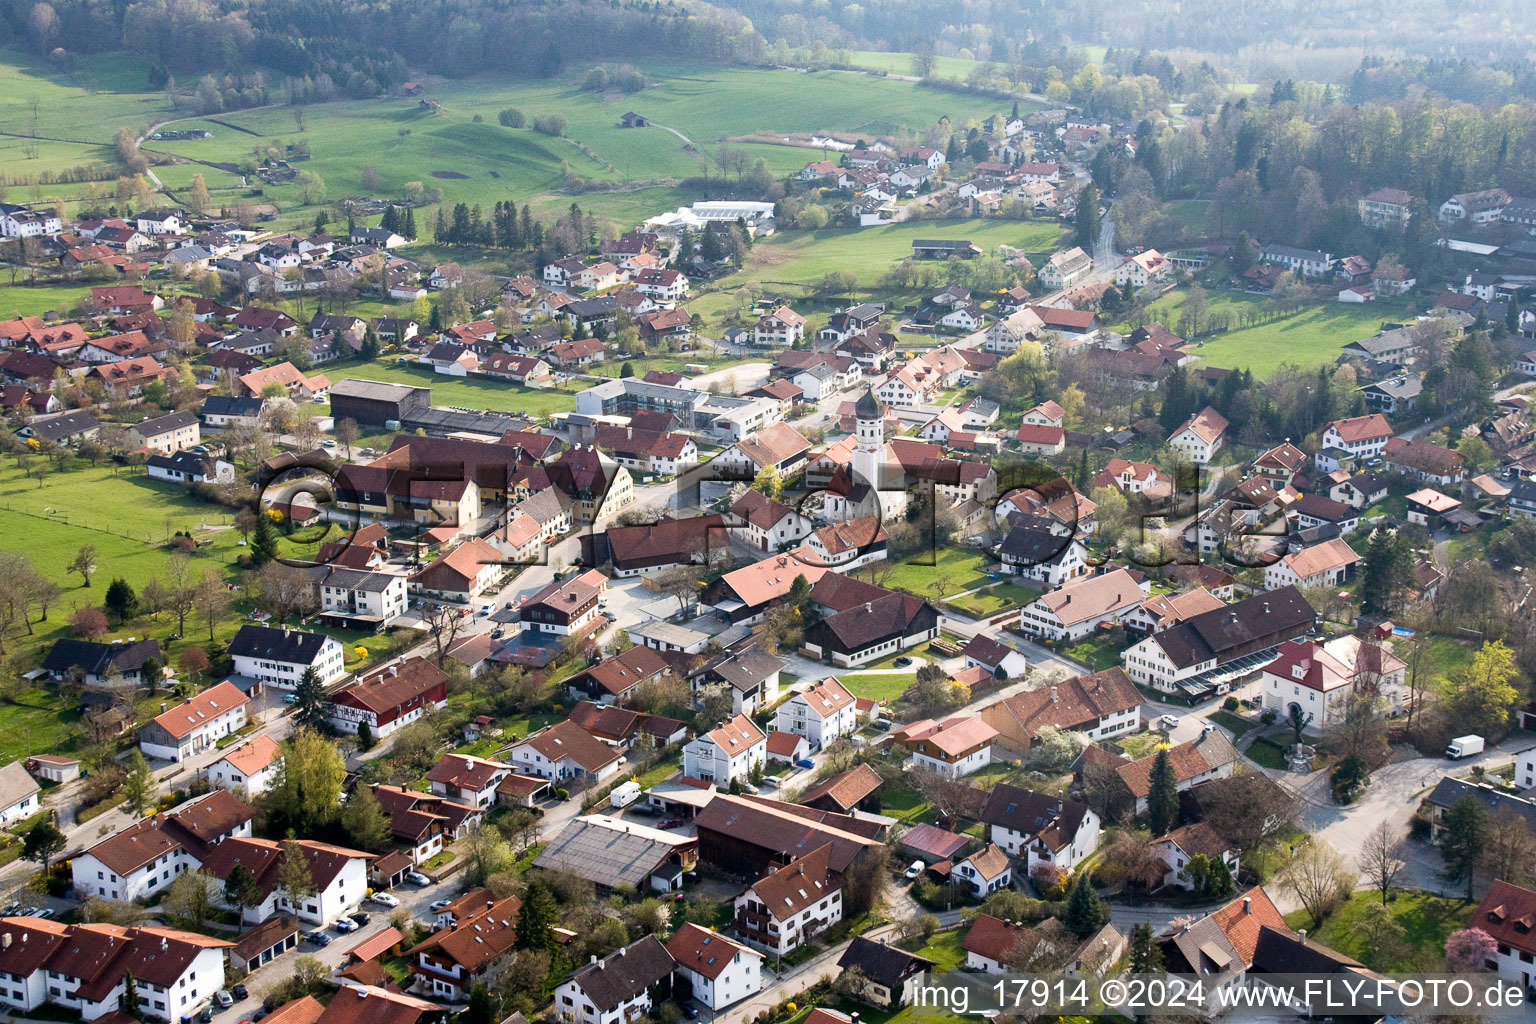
x=1426 y=920
x=1228 y=720
x=905 y=805
x=36 y=721
x=1267 y=753
x=995 y=598
x=1312 y=337
x=127 y=517
x=464 y=392
x=944 y=950
x=1448 y=656
x=1142 y=744
x=878 y=686
x=1097 y=652
x=952 y=571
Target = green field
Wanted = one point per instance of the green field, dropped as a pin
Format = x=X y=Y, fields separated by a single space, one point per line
x=1426 y=921
x=877 y=685
x=996 y=598
x=467 y=392
x=405 y=141
x=127 y=517
x=944 y=950
x=1312 y=337
x=952 y=571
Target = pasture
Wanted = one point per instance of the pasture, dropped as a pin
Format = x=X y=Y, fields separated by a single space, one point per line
x=1314 y=336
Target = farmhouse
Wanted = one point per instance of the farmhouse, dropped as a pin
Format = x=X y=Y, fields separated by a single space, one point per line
x=389 y=699
x=1102 y=705
x=280 y=657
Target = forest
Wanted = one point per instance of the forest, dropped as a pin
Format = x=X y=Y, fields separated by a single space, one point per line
x=365 y=46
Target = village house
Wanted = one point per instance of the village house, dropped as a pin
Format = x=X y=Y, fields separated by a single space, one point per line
x=1101 y=705
x=726 y=754
x=389 y=699
x=462 y=574
x=1362 y=437
x=452 y=960
x=1173 y=659
x=566 y=751
x=717 y=971
x=618 y=988
x=1183 y=844
x=196 y=725
x=144 y=857
x=1319 y=678
x=1065 y=269
x=249 y=768
x=339 y=876
x=823 y=713
x=789 y=907
x=1076 y=608
x=1200 y=436
x=1038 y=828
x=1329 y=564
x=951 y=749
x=280 y=657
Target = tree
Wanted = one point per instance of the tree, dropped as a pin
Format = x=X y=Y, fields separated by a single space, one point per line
x=1319 y=879
x=211 y=598
x=479 y=1010
x=1379 y=859
x=84 y=563
x=1086 y=912
x=1348 y=778
x=365 y=738
x=188 y=901
x=293 y=875
x=307 y=790
x=139 y=786
x=511 y=118
x=1483 y=692
x=121 y=602
x=1509 y=851
x=197 y=195
x=1145 y=954
x=43 y=841
x=1163 y=797
x=263 y=541
x=364 y=821
x=1088 y=218
x=1380 y=934
x=89 y=622
x=309 y=702
x=1469 y=949
x=536 y=918
x=769 y=482
x=1464 y=830
x=242 y=890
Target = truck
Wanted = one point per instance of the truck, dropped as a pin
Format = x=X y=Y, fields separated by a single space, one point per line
x=624 y=794
x=1464 y=746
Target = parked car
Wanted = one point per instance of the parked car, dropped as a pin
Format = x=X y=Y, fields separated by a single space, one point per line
x=610 y=616
x=240 y=991
x=46 y=913
x=31 y=911
x=438 y=905
x=290 y=698
x=417 y=878
x=385 y=899
x=345 y=924
x=12 y=907
x=361 y=918
x=223 y=998
x=672 y=823
x=805 y=762
x=691 y=1011
x=915 y=869
x=318 y=937
x=207 y=1015
x=902 y=662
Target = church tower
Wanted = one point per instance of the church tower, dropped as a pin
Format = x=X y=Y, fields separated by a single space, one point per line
x=869 y=441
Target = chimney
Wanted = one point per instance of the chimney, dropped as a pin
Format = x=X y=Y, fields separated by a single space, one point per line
x=1053 y=695
x=1247 y=904
x=362 y=992
x=165 y=944
x=1266 y=607
x=868 y=606
x=5 y=941
x=592 y=960
x=1301 y=933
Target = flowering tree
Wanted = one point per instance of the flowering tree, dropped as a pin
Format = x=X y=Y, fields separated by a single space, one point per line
x=1469 y=949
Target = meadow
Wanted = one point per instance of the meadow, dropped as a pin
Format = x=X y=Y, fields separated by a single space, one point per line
x=465 y=392
x=1314 y=336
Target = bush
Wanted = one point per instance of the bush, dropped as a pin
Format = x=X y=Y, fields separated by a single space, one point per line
x=511 y=118
x=1268 y=717
x=1231 y=704
x=550 y=124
